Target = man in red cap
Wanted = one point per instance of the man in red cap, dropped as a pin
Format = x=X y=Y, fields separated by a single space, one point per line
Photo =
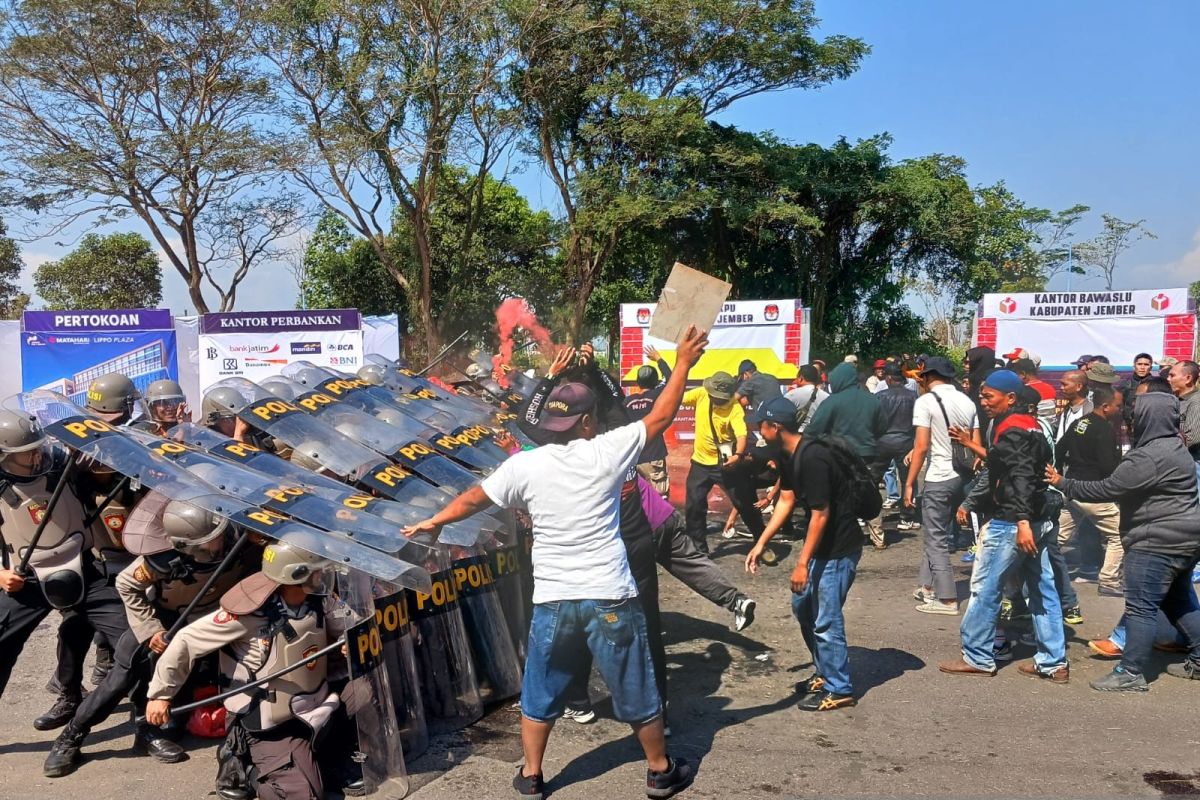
x=876 y=376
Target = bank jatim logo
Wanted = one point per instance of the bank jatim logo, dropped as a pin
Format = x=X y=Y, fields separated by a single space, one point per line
x=771 y=312
x=1008 y=305
x=643 y=316
x=1160 y=302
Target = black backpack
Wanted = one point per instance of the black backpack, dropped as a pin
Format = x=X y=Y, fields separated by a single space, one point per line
x=857 y=487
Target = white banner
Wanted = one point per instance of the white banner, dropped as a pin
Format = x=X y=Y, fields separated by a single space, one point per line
x=261 y=355
x=1060 y=342
x=1086 y=305
x=733 y=313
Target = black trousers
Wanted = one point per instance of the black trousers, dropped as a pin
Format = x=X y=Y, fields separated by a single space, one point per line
x=22 y=612
x=130 y=676
x=736 y=483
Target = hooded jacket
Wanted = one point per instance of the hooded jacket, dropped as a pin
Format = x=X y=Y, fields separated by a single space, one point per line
x=981 y=362
x=1154 y=485
x=850 y=412
x=1012 y=486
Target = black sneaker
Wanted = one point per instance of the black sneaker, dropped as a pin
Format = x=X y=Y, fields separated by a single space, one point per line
x=743 y=613
x=534 y=788
x=1186 y=670
x=827 y=701
x=814 y=684
x=64 y=756
x=59 y=714
x=677 y=777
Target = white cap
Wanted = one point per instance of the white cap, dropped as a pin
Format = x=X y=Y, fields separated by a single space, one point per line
x=851 y=359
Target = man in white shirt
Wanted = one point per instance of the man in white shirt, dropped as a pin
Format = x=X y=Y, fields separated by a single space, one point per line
x=939 y=409
x=808 y=394
x=584 y=595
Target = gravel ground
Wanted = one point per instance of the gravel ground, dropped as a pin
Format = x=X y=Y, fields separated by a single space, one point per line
x=914 y=732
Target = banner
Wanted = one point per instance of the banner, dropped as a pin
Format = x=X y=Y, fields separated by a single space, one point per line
x=257 y=345
x=66 y=350
x=1086 y=305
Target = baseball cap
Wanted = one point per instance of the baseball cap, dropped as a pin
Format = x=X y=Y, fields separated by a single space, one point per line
x=1102 y=373
x=1020 y=353
x=880 y=363
x=720 y=386
x=938 y=365
x=851 y=359
x=777 y=409
x=1084 y=359
x=1023 y=365
x=746 y=366
x=565 y=405
x=1005 y=380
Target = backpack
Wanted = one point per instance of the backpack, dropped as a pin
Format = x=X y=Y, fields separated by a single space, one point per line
x=858 y=488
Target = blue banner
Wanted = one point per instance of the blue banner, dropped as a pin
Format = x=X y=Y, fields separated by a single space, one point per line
x=65 y=351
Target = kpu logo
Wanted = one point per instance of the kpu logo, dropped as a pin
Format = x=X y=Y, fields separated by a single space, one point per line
x=1008 y=305
x=771 y=312
x=643 y=316
x=1160 y=302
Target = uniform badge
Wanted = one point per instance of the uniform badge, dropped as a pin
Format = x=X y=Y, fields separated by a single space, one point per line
x=312 y=651
x=115 y=522
x=37 y=512
x=222 y=617
x=142 y=575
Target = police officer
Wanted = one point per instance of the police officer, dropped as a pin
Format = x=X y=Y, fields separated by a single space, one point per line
x=219 y=411
x=156 y=588
x=113 y=398
x=62 y=572
x=269 y=621
x=166 y=407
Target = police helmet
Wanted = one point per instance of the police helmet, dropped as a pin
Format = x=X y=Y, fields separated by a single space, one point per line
x=112 y=397
x=280 y=387
x=290 y=566
x=23 y=446
x=647 y=377
x=310 y=377
x=194 y=531
x=166 y=393
x=308 y=456
x=372 y=374
x=223 y=402
x=476 y=372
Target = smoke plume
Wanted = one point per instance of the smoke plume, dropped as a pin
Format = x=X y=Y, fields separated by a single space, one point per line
x=515 y=313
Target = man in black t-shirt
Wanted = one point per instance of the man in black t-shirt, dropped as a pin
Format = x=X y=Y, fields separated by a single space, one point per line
x=832 y=547
x=652 y=464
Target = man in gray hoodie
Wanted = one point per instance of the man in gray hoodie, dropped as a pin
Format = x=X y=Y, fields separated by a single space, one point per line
x=1155 y=487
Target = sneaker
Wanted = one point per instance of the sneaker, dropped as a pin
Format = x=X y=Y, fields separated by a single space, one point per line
x=1027 y=639
x=677 y=777
x=908 y=525
x=64 y=757
x=814 y=684
x=1060 y=676
x=1002 y=653
x=580 y=715
x=1186 y=670
x=1082 y=579
x=534 y=788
x=1120 y=681
x=1073 y=616
x=59 y=714
x=826 y=701
x=1105 y=648
x=935 y=606
x=891 y=502
x=743 y=613
x=969 y=556
x=922 y=596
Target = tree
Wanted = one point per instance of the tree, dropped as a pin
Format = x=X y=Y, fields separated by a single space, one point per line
x=116 y=271
x=12 y=300
x=154 y=108
x=342 y=271
x=613 y=95
x=1103 y=253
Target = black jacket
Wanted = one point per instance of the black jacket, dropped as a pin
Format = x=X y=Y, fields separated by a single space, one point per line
x=1088 y=451
x=897 y=403
x=1154 y=485
x=1013 y=485
x=610 y=410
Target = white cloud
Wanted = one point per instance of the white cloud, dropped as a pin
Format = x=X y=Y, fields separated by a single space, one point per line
x=1179 y=272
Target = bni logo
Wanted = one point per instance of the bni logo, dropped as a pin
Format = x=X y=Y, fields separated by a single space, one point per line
x=1160 y=302
x=1008 y=305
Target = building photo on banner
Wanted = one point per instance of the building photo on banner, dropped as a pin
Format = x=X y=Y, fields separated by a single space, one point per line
x=257 y=345
x=1061 y=326
x=66 y=350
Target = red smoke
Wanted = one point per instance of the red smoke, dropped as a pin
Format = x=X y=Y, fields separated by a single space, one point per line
x=515 y=313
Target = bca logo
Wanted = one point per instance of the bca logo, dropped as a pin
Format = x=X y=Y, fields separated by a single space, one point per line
x=1160 y=302
x=643 y=316
x=1008 y=305
x=771 y=312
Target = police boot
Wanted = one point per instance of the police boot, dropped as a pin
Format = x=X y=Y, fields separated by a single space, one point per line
x=104 y=663
x=347 y=778
x=64 y=754
x=60 y=713
x=149 y=740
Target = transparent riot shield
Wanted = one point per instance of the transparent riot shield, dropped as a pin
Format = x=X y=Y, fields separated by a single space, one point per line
x=397 y=639
x=405 y=380
x=112 y=447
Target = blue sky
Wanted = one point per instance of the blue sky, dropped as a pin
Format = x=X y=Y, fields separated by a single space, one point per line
x=1067 y=102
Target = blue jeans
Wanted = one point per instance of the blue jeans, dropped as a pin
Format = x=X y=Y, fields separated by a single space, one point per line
x=890 y=482
x=1156 y=581
x=562 y=633
x=995 y=556
x=818 y=609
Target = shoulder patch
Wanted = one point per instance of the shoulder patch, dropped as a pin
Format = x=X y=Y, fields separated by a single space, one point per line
x=223 y=617
x=115 y=522
x=142 y=575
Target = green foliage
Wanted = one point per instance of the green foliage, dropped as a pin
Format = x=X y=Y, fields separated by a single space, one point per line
x=120 y=270
x=342 y=271
x=12 y=300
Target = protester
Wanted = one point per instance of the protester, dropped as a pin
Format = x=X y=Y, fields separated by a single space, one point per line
x=1013 y=492
x=1073 y=388
x=1155 y=486
x=896 y=442
x=1165 y=364
x=941 y=409
x=1027 y=368
x=755 y=387
x=855 y=415
x=825 y=571
x=653 y=462
x=1101 y=375
x=808 y=394
x=875 y=379
x=1089 y=452
x=979 y=362
x=1143 y=365
x=584 y=595
x=1184 y=379
x=718 y=458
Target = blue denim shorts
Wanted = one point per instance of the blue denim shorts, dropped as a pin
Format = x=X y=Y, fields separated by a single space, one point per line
x=560 y=635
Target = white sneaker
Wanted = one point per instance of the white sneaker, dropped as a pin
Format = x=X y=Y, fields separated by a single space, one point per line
x=935 y=606
x=907 y=525
x=743 y=613
x=580 y=715
x=890 y=503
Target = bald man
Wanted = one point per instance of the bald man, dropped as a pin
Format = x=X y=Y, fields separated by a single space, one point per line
x=1074 y=391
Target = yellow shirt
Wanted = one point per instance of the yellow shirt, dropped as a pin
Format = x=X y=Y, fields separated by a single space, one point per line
x=730 y=422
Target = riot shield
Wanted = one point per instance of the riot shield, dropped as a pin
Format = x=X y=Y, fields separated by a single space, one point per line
x=396 y=636
x=112 y=447
x=405 y=380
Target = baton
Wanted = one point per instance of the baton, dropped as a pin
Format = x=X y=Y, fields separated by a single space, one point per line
x=108 y=498
x=442 y=354
x=254 y=684
x=41 y=528
x=208 y=584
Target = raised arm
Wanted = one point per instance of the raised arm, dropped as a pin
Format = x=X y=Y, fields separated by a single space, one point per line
x=687 y=353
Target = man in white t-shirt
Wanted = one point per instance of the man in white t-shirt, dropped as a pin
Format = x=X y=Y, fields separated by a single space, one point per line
x=940 y=408
x=584 y=595
x=807 y=395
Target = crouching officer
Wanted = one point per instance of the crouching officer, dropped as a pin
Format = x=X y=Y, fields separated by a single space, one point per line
x=166 y=407
x=268 y=622
x=156 y=588
x=62 y=572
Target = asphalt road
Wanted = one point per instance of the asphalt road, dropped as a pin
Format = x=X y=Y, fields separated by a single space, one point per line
x=915 y=731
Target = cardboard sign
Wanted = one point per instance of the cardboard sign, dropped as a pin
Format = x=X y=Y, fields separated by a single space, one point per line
x=689 y=297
